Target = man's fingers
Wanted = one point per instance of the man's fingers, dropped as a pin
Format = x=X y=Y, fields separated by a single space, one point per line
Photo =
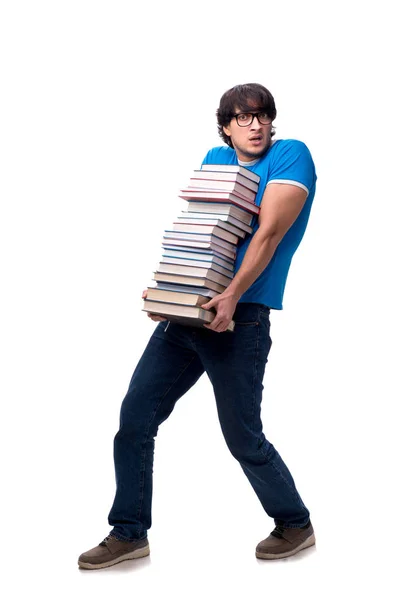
x=156 y=317
x=217 y=326
x=207 y=306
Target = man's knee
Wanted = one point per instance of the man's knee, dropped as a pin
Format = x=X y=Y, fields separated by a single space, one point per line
x=249 y=449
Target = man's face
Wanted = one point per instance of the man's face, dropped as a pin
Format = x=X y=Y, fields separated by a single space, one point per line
x=250 y=141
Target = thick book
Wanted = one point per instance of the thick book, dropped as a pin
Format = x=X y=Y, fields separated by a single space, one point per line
x=223 y=197
x=206 y=264
x=204 y=272
x=222 y=223
x=190 y=254
x=220 y=209
x=211 y=243
x=185 y=289
x=233 y=169
x=225 y=186
x=176 y=297
x=225 y=176
x=206 y=229
x=189 y=280
x=186 y=315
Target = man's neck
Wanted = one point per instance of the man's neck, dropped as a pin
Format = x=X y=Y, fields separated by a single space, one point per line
x=250 y=163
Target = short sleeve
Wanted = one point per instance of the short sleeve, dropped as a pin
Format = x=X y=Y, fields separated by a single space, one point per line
x=221 y=155
x=293 y=164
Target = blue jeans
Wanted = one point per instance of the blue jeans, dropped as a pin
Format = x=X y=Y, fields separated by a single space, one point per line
x=174 y=359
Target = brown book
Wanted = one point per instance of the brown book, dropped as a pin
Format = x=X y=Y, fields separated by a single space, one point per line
x=186 y=315
x=172 y=297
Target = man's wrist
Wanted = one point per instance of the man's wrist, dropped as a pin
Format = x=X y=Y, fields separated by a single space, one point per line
x=233 y=291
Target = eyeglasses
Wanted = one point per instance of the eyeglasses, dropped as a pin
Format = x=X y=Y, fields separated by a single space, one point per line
x=246 y=119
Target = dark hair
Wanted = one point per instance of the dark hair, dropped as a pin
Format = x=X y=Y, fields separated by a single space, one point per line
x=245 y=98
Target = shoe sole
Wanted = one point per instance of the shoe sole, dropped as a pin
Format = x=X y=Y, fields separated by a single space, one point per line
x=139 y=553
x=310 y=541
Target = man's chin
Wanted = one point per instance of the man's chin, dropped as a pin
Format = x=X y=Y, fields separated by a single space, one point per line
x=254 y=153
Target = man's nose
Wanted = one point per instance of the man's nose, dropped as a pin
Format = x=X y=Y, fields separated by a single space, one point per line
x=256 y=123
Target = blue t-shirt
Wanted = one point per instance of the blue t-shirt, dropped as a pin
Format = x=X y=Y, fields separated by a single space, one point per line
x=287 y=161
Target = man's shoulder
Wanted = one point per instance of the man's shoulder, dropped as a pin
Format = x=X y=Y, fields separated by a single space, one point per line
x=288 y=145
x=220 y=155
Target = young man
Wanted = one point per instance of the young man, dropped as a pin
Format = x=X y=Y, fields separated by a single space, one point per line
x=176 y=355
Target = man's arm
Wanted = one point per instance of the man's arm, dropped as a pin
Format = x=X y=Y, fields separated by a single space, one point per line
x=280 y=207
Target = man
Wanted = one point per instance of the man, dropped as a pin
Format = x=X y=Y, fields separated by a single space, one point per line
x=177 y=355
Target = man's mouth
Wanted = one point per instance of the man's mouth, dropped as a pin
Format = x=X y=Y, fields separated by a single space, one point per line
x=256 y=138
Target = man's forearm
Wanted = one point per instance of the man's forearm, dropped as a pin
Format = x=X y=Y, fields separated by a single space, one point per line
x=259 y=253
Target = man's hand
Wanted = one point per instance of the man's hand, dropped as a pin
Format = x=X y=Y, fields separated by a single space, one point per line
x=151 y=315
x=225 y=305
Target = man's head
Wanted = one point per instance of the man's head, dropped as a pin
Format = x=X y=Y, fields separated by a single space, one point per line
x=245 y=117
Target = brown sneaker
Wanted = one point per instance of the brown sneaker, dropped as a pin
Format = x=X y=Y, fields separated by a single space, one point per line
x=283 y=542
x=112 y=551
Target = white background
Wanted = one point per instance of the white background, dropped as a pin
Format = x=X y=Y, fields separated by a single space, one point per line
x=106 y=107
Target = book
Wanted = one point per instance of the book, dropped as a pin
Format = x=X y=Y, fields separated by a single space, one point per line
x=227 y=197
x=206 y=229
x=189 y=280
x=185 y=289
x=210 y=243
x=200 y=253
x=204 y=272
x=221 y=209
x=207 y=264
x=233 y=169
x=226 y=186
x=176 y=297
x=194 y=219
x=188 y=315
x=190 y=255
x=224 y=176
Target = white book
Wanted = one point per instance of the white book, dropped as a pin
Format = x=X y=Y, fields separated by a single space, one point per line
x=224 y=176
x=222 y=224
x=192 y=255
x=227 y=218
x=215 y=252
x=233 y=169
x=207 y=264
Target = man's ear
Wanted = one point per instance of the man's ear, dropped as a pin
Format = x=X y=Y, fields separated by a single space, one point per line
x=227 y=130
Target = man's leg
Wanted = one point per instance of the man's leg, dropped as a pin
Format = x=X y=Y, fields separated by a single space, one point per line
x=168 y=368
x=235 y=363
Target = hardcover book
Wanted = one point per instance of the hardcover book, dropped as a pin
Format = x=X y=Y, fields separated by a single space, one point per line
x=189 y=315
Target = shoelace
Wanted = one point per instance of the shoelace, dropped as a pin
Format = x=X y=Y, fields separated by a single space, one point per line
x=278 y=531
x=106 y=539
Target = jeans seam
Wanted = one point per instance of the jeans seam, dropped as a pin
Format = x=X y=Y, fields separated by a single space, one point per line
x=144 y=451
x=293 y=490
x=255 y=377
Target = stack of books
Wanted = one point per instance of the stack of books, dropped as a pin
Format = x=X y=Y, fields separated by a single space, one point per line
x=199 y=249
